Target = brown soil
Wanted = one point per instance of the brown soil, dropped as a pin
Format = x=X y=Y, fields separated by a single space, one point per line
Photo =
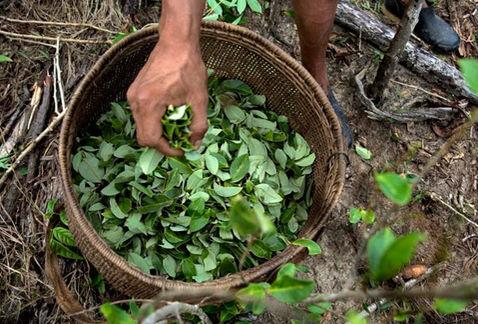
x=450 y=188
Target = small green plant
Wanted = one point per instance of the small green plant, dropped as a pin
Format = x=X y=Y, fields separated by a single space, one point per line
x=232 y=11
x=363 y=152
x=5 y=59
x=359 y=214
x=4 y=162
x=61 y=240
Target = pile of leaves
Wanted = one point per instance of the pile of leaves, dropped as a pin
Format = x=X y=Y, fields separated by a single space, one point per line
x=233 y=203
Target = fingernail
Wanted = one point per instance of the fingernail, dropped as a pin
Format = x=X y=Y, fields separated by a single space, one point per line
x=197 y=144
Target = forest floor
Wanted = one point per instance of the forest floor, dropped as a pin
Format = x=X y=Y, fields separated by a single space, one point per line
x=446 y=193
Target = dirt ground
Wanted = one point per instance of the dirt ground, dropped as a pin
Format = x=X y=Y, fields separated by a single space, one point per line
x=446 y=194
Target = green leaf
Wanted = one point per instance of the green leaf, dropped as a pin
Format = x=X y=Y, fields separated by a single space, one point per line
x=320 y=308
x=124 y=151
x=135 y=225
x=254 y=5
x=449 y=306
x=241 y=6
x=243 y=218
x=110 y=189
x=50 y=208
x=266 y=194
x=116 y=210
x=254 y=295
x=239 y=167
x=287 y=270
x=311 y=246
x=368 y=216
x=115 y=315
x=469 y=69
x=235 y=114
x=306 y=161
x=64 y=236
x=169 y=265
x=363 y=152
x=355 y=318
x=281 y=157
x=90 y=169
x=4 y=58
x=178 y=112
x=226 y=191
x=388 y=255
x=63 y=250
x=212 y=164
x=149 y=160
x=355 y=215
x=291 y=290
x=140 y=262
x=394 y=187
x=106 y=151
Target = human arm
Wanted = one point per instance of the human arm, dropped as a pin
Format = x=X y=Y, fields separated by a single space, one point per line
x=174 y=74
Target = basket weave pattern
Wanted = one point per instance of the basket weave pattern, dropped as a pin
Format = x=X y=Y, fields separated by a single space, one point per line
x=236 y=53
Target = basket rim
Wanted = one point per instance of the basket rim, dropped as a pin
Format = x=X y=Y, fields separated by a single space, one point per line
x=233 y=280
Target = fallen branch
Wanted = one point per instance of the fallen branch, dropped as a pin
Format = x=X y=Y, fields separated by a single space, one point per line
x=389 y=62
x=415 y=58
x=53 y=39
x=442 y=113
x=39 y=124
x=176 y=309
x=437 y=198
x=57 y=23
x=31 y=146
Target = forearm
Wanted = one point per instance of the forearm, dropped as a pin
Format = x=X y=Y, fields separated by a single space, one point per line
x=180 y=22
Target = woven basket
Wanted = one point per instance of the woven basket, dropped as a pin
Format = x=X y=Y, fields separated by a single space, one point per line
x=233 y=52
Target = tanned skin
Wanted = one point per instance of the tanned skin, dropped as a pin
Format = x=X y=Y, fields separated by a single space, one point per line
x=175 y=73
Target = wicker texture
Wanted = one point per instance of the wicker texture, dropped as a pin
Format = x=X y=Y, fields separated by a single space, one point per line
x=233 y=52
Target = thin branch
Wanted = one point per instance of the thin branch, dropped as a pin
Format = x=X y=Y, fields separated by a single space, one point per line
x=422 y=90
x=394 y=52
x=58 y=74
x=435 y=197
x=31 y=146
x=173 y=309
x=463 y=291
x=57 y=23
x=53 y=39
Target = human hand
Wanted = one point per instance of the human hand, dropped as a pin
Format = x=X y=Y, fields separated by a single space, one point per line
x=173 y=75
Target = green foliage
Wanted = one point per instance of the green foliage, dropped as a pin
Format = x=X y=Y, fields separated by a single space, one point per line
x=4 y=162
x=254 y=295
x=358 y=214
x=469 y=69
x=232 y=11
x=122 y=35
x=194 y=217
x=5 y=59
x=176 y=123
x=312 y=247
x=449 y=306
x=115 y=315
x=363 y=152
x=396 y=188
x=388 y=254
x=355 y=318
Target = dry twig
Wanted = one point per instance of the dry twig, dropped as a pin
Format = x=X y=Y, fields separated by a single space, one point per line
x=56 y=23
x=176 y=308
x=53 y=39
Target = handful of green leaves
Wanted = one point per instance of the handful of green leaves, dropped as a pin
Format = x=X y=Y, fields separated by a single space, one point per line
x=232 y=204
x=175 y=127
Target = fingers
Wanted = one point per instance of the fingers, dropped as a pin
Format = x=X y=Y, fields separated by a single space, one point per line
x=149 y=130
x=162 y=145
x=199 y=123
